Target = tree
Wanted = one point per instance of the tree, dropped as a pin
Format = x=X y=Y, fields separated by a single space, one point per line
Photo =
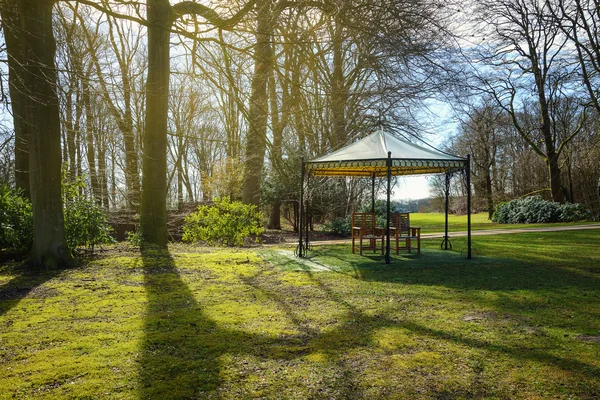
x=161 y=17
x=579 y=21
x=479 y=137
x=39 y=76
x=18 y=94
x=527 y=56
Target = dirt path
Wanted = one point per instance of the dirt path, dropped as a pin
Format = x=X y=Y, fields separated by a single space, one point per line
x=483 y=232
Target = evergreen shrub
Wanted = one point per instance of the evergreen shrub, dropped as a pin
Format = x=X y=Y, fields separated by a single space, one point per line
x=339 y=226
x=16 y=221
x=534 y=209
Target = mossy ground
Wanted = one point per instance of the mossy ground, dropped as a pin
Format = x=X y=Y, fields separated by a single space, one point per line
x=520 y=320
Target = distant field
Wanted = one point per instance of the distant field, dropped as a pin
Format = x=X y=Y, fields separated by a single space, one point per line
x=434 y=222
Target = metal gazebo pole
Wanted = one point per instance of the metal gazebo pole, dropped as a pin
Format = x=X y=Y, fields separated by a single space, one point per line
x=307 y=213
x=446 y=240
x=300 y=222
x=387 y=224
x=468 y=170
x=373 y=192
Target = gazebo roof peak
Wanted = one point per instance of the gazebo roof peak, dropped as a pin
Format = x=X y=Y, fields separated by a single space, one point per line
x=367 y=156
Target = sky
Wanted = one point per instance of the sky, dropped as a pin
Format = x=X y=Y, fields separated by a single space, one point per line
x=411 y=188
x=443 y=125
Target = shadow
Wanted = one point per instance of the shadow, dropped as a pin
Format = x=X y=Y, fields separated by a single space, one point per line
x=451 y=269
x=183 y=349
x=469 y=279
x=26 y=282
x=522 y=352
x=177 y=358
x=188 y=351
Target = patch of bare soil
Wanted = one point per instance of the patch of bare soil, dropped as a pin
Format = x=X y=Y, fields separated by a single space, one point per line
x=589 y=338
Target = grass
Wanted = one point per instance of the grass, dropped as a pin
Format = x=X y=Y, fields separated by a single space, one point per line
x=434 y=222
x=520 y=320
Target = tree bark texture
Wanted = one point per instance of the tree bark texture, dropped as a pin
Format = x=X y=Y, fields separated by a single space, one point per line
x=49 y=244
x=256 y=140
x=14 y=47
x=153 y=215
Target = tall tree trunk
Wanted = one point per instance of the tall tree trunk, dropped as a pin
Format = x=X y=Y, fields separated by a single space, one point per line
x=70 y=132
x=338 y=89
x=89 y=130
x=256 y=140
x=132 y=179
x=546 y=131
x=153 y=216
x=49 y=244
x=102 y=180
x=277 y=124
x=18 y=96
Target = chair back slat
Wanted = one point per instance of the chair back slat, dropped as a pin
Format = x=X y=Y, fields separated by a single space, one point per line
x=363 y=220
x=401 y=221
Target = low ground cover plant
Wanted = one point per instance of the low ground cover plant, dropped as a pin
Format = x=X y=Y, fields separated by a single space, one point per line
x=534 y=209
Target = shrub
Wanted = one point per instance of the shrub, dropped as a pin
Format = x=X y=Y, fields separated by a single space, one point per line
x=85 y=221
x=16 y=221
x=574 y=212
x=225 y=223
x=534 y=209
x=339 y=226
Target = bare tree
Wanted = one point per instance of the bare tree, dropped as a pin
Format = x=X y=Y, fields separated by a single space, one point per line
x=526 y=55
x=579 y=20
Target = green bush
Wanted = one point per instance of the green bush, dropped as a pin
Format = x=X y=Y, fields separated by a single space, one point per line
x=16 y=221
x=224 y=223
x=574 y=212
x=534 y=209
x=85 y=221
x=339 y=226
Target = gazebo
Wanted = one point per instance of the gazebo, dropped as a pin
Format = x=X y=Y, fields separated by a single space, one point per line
x=383 y=155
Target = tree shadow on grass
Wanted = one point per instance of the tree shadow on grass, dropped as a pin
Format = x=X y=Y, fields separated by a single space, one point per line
x=452 y=269
x=26 y=282
x=357 y=328
x=178 y=359
x=551 y=287
x=183 y=349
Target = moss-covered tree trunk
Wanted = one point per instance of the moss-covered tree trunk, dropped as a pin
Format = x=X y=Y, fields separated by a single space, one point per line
x=39 y=77
x=153 y=216
x=256 y=140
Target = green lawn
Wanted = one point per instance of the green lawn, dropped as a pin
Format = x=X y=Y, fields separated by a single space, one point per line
x=434 y=222
x=520 y=320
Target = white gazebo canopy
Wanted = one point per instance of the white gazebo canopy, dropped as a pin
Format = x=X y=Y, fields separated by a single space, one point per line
x=368 y=157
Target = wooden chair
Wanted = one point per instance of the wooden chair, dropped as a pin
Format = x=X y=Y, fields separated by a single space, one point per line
x=401 y=231
x=364 y=228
